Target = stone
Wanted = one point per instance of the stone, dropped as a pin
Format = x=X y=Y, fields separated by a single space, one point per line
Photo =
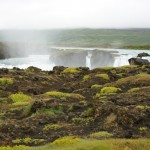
x=138 y=61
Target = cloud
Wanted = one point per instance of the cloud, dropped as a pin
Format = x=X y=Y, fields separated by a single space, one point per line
x=39 y=14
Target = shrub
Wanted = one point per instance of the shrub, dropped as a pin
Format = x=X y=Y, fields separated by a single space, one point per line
x=104 y=76
x=67 y=140
x=20 y=98
x=110 y=90
x=102 y=134
x=5 y=81
x=71 y=70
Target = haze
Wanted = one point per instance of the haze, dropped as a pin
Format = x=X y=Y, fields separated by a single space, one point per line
x=48 y=14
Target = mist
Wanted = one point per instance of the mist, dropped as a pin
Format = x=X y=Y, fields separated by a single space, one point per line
x=49 y=14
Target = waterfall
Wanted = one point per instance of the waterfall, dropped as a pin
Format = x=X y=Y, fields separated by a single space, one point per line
x=121 y=60
x=88 y=60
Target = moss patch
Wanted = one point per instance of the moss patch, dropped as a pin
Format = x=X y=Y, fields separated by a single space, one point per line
x=5 y=81
x=110 y=90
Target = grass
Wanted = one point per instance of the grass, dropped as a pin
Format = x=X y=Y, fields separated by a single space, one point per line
x=89 y=144
x=5 y=81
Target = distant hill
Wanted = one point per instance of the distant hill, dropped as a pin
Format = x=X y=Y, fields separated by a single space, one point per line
x=116 y=38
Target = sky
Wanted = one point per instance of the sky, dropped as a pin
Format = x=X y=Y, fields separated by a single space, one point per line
x=50 y=14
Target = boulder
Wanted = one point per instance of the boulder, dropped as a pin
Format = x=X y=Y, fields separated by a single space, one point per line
x=58 y=69
x=143 y=55
x=138 y=61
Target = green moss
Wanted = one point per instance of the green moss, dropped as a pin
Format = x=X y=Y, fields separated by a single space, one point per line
x=133 y=90
x=49 y=112
x=142 y=107
x=66 y=140
x=95 y=86
x=64 y=96
x=88 y=112
x=86 y=77
x=143 y=129
x=5 y=81
x=102 y=134
x=83 y=121
x=28 y=141
x=20 y=98
x=110 y=90
x=71 y=70
x=51 y=127
x=104 y=76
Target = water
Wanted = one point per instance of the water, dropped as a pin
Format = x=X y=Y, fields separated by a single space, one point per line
x=121 y=57
x=88 y=60
x=40 y=61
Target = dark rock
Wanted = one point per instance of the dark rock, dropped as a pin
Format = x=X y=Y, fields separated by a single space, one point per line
x=58 y=69
x=84 y=68
x=128 y=134
x=37 y=105
x=33 y=91
x=138 y=61
x=143 y=55
x=34 y=69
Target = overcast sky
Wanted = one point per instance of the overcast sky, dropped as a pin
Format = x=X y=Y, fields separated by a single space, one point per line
x=39 y=14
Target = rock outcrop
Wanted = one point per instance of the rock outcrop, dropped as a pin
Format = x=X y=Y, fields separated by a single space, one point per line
x=138 y=61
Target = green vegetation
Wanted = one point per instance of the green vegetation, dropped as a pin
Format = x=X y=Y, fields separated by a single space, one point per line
x=66 y=140
x=110 y=90
x=95 y=86
x=74 y=143
x=5 y=81
x=104 y=76
x=133 y=90
x=51 y=127
x=88 y=112
x=86 y=77
x=83 y=121
x=102 y=134
x=20 y=98
x=64 y=96
x=72 y=70
x=27 y=141
x=53 y=112
x=143 y=128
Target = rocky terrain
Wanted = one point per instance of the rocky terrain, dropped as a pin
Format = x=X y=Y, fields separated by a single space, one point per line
x=38 y=107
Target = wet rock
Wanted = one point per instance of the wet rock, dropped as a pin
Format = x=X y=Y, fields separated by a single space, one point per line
x=143 y=55
x=138 y=61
